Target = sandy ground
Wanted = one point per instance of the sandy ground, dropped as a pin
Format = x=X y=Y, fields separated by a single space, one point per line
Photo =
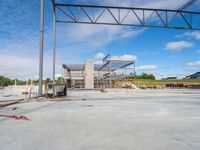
x=114 y=120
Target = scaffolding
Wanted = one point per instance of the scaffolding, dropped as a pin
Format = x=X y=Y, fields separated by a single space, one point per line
x=114 y=69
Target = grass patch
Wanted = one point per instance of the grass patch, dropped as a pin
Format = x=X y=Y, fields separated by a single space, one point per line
x=146 y=83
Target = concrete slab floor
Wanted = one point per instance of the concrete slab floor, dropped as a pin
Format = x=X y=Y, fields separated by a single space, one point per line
x=115 y=120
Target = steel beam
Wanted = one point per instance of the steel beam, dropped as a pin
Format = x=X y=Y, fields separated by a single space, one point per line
x=105 y=58
x=115 y=7
x=188 y=4
x=40 y=91
x=127 y=65
x=104 y=65
x=141 y=16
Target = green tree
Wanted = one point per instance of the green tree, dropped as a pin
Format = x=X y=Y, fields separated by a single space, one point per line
x=144 y=76
x=4 y=81
x=47 y=81
x=60 y=80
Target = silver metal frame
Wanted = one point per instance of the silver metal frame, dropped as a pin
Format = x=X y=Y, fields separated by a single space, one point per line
x=143 y=22
x=110 y=66
x=41 y=47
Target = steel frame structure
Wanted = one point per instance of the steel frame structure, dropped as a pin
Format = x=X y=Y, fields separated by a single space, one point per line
x=143 y=17
x=103 y=73
x=110 y=65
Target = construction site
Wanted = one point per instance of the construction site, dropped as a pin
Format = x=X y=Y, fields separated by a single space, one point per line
x=90 y=75
x=103 y=106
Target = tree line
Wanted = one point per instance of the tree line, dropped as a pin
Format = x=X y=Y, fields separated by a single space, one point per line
x=145 y=76
x=5 y=81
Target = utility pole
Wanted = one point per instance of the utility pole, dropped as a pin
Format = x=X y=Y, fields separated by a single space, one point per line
x=41 y=47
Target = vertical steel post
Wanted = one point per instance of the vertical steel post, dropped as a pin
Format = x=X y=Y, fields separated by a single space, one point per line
x=41 y=47
x=54 y=49
x=134 y=71
x=110 y=75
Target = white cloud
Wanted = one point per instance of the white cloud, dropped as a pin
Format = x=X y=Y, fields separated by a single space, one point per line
x=131 y=33
x=147 y=67
x=124 y=57
x=194 y=34
x=98 y=62
x=58 y=75
x=23 y=64
x=194 y=64
x=96 y=36
x=198 y=51
x=179 y=45
x=99 y=55
x=17 y=66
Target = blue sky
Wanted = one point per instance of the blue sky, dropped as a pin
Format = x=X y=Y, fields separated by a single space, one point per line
x=163 y=52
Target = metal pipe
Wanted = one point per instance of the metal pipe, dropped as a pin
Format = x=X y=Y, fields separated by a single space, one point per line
x=134 y=71
x=40 y=91
x=110 y=75
x=54 y=45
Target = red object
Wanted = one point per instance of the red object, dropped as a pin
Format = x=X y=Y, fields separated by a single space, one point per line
x=15 y=117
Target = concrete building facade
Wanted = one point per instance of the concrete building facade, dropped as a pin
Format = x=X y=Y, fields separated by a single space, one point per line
x=89 y=75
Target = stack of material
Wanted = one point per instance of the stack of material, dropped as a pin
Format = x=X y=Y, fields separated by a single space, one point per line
x=129 y=85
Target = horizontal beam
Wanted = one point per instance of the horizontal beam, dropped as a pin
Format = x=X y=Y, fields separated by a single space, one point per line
x=115 y=7
x=141 y=17
x=127 y=65
x=133 y=25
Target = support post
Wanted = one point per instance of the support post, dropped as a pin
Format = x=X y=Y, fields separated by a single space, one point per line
x=40 y=91
x=54 y=49
x=110 y=75
x=134 y=71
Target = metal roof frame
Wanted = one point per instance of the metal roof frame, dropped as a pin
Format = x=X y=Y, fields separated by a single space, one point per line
x=161 y=14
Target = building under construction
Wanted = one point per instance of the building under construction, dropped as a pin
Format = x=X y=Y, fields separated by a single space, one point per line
x=90 y=75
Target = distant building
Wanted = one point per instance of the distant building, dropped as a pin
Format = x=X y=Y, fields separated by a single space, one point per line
x=169 y=78
x=194 y=76
x=81 y=75
x=90 y=75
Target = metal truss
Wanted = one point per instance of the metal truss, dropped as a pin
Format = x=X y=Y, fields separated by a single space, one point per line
x=109 y=15
x=129 y=16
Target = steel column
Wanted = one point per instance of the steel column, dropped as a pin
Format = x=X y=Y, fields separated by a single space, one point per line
x=40 y=91
x=54 y=49
x=110 y=75
x=134 y=71
x=54 y=45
